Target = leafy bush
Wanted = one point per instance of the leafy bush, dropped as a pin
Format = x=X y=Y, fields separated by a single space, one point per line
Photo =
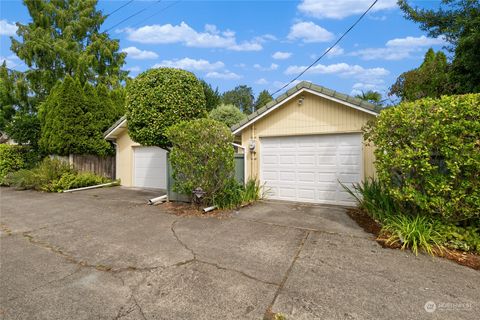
x=428 y=155
x=202 y=156
x=11 y=159
x=374 y=199
x=234 y=194
x=228 y=114
x=160 y=98
x=412 y=232
x=460 y=238
x=76 y=180
x=52 y=175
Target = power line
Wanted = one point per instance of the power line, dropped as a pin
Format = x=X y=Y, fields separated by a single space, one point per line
x=328 y=50
x=133 y=15
x=154 y=14
x=126 y=4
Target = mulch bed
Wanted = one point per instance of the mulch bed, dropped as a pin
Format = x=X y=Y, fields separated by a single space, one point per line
x=187 y=209
x=371 y=226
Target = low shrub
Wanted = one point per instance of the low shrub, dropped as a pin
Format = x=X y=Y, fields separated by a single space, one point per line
x=460 y=238
x=11 y=159
x=52 y=175
x=234 y=194
x=373 y=198
x=412 y=232
x=75 y=180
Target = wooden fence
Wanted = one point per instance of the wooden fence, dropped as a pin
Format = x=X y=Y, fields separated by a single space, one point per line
x=102 y=166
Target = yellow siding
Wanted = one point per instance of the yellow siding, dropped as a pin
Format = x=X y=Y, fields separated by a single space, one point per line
x=124 y=159
x=316 y=115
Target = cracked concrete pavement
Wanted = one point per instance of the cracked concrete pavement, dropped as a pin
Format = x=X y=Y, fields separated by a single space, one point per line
x=105 y=254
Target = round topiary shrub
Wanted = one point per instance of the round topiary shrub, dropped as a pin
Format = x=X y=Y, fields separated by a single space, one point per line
x=160 y=98
x=428 y=155
x=228 y=114
x=202 y=156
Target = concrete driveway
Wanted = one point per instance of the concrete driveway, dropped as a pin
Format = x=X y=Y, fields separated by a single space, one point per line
x=105 y=254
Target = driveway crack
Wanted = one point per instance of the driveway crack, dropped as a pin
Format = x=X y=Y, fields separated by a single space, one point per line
x=180 y=241
x=268 y=312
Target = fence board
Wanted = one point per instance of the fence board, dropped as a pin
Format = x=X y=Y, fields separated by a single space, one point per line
x=103 y=166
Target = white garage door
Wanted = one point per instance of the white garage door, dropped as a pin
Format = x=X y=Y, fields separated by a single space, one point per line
x=150 y=167
x=308 y=168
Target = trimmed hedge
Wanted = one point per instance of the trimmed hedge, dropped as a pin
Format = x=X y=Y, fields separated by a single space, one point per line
x=160 y=98
x=428 y=155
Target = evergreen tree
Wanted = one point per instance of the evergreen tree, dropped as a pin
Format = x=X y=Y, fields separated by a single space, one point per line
x=431 y=79
x=241 y=97
x=263 y=98
x=459 y=22
x=212 y=97
x=69 y=120
x=64 y=38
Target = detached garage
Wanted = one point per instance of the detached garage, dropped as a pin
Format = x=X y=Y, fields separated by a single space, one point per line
x=302 y=144
x=137 y=166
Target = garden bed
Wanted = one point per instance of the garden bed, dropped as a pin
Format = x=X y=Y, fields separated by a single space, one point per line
x=371 y=226
x=187 y=209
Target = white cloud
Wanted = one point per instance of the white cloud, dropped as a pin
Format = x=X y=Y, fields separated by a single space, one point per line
x=309 y=32
x=191 y=64
x=261 y=81
x=339 y=9
x=399 y=48
x=336 y=51
x=279 y=55
x=360 y=87
x=272 y=67
x=410 y=42
x=7 y=29
x=211 y=37
x=11 y=61
x=226 y=75
x=135 y=53
x=134 y=69
x=370 y=75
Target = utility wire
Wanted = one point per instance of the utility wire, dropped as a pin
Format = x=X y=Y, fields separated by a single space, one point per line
x=126 y=4
x=154 y=14
x=133 y=15
x=328 y=50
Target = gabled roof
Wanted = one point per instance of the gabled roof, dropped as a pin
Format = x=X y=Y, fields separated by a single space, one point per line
x=305 y=86
x=115 y=129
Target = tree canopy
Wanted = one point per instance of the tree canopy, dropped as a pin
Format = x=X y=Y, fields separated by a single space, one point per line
x=212 y=97
x=227 y=114
x=371 y=96
x=431 y=79
x=241 y=97
x=160 y=98
x=64 y=38
x=459 y=22
x=263 y=98
x=69 y=120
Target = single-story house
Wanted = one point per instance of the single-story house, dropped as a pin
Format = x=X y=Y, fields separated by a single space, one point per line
x=136 y=165
x=304 y=142
x=299 y=146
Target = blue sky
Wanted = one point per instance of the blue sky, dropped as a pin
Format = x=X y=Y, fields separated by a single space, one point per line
x=263 y=44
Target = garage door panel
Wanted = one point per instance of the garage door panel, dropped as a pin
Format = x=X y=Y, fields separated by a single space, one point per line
x=150 y=167
x=309 y=168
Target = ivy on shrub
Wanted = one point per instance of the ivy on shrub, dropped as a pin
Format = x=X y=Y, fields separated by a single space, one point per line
x=160 y=98
x=201 y=156
x=428 y=155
